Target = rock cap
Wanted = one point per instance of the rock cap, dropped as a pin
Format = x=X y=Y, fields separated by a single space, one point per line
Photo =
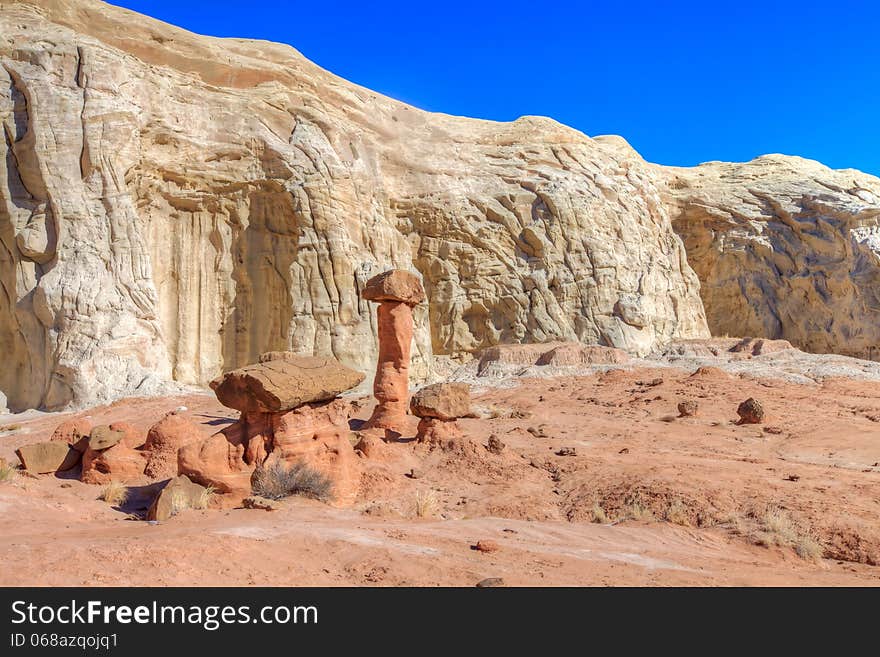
x=281 y=385
x=395 y=285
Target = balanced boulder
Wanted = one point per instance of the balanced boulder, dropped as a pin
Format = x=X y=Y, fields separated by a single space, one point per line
x=103 y=437
x=439 y=406
x=280 y=385
x=395 y=285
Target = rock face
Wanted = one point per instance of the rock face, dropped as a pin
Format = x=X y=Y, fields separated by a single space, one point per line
x=172 y=206
x=283 y=384
x=784 y=248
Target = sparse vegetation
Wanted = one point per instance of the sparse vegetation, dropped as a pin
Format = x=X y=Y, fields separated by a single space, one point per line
x=427 y=504
x=677 y=513
x=115 y=493
x=204 y=500
x=8 y=472
x=278 y=480
x=598 y=515
x=775 y=527
x=634 y=509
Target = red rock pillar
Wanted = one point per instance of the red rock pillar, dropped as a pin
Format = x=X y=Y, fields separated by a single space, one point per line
x=397 y=291
x=391 y=385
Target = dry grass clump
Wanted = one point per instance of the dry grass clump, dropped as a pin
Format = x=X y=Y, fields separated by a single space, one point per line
x=598 y=515
x=278 y=480
x=8 y=472
x=427 y=504
x=776 y=527
x=115 y=493
x=635 y=509
x=677 y=513
x=205 y=497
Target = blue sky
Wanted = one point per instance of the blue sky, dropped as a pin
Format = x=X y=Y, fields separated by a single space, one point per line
x=683 y=82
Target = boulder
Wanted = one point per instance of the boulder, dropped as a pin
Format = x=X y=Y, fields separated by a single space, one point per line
x=48 y=457
x=164 y=440
x=276 y=386
x=750 y=412
x=395 y=285
x=73 y=432
x=444 y=401
x=688 y=408
x=116 y=463
x=132 y=436
x=178 y=494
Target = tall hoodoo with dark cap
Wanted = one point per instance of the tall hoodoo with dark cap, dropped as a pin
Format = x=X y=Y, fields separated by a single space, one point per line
x=396 y=291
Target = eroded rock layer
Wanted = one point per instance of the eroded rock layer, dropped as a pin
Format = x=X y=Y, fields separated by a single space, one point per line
x=171 y=206
x=785 y=248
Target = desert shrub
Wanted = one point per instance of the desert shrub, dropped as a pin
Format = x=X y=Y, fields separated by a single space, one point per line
x=598 y=515
x=278 y=480
x=677 y=513
x=204 y=499
x=115 y=493
x=427 y=504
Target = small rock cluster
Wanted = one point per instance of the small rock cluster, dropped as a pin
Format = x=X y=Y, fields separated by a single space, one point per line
x=440 y=406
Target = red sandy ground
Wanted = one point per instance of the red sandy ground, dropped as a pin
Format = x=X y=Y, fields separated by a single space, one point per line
x=701 y=487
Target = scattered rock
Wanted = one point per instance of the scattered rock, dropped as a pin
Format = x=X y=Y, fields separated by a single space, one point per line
x=284 y=384
x=567 y=451
x=773 y=430
x=178 y=494
x=73 y=432
x=625 y=450
x=750 y=412
x=261 y=503
x=793 y=477
x=444 y=401
x=495 y=445
x=650 y=384
x=490 y=582
x=48 y=457
x=486 y=546
x=688 y=408
x=414 y=473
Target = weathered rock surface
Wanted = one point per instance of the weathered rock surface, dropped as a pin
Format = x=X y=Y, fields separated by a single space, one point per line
x=103 y=437
x=173 y=206
x=445 y=401
x=48 y=457
x=282 y=384
x=784 y=248
x=560 y=354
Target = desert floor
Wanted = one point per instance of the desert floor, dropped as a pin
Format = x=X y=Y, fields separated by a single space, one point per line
x=648 y=498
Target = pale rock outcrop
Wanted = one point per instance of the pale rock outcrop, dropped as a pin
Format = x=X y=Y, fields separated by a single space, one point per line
x=784 y=248
x=172 y=206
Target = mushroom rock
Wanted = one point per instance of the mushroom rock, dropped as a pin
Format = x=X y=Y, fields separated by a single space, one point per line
x=315 y=433
x=396 y=291
x=118 y=462
x=164 y=440
x=73 y=432
x=282 y=384
x=439 y=406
